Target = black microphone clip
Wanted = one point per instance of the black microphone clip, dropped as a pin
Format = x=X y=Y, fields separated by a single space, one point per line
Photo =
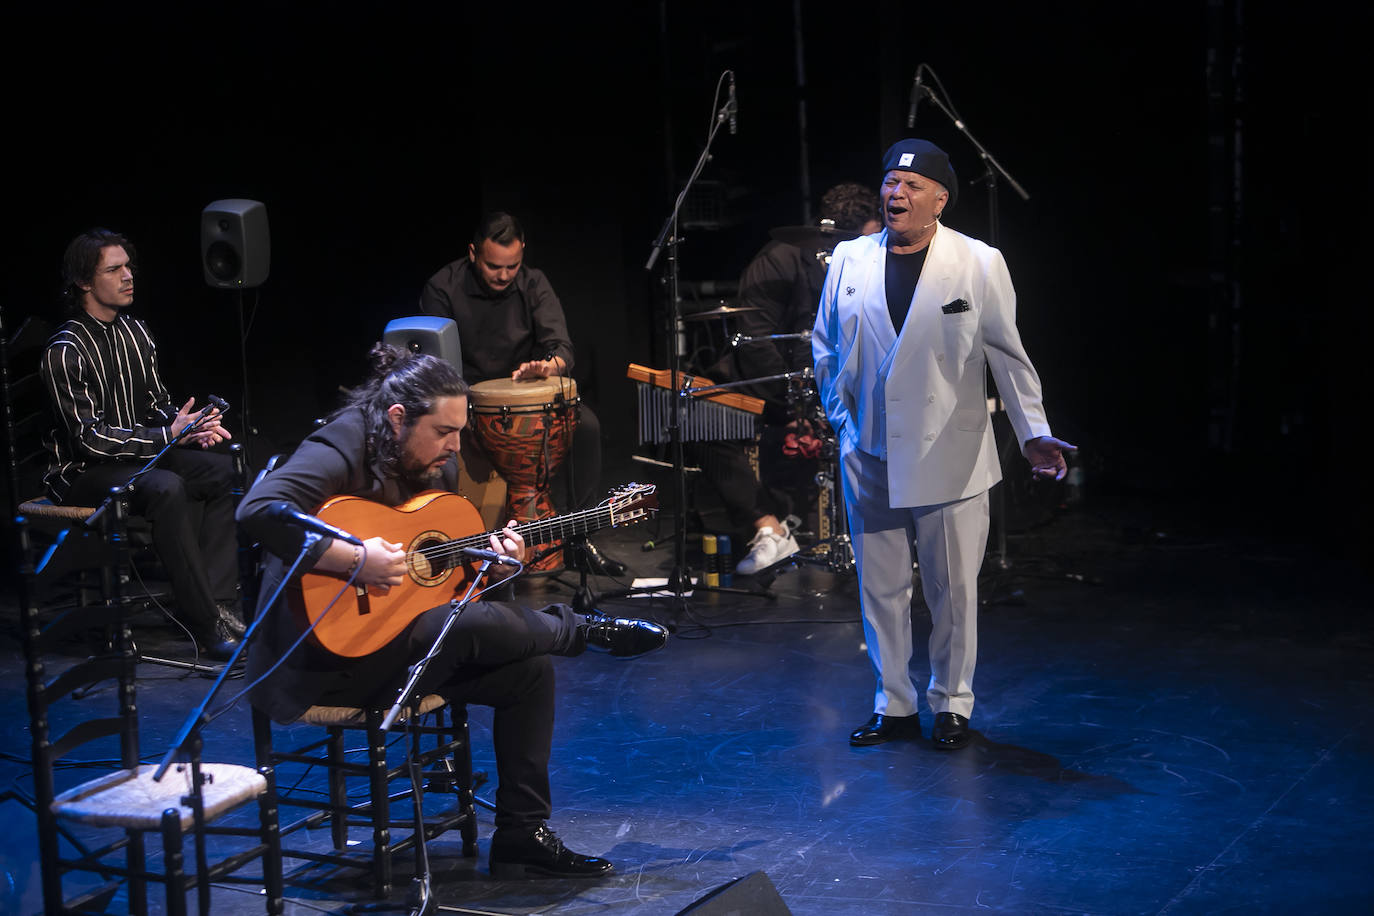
x=732 y=106
x=490 y=556
x=917 y=87
x=283 y=512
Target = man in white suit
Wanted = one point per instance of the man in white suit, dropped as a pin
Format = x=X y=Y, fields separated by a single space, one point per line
x=910 y=319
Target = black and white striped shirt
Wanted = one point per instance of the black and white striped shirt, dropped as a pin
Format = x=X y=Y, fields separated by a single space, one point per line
x=107 y=396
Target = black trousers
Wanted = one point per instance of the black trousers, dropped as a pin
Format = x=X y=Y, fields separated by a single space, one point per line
x=188 y=500
x=497 y=655
x=783 y=486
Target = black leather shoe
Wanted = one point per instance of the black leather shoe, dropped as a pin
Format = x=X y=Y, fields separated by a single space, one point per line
x=624 y=637
x=539 y=853
x=950 y=731
x=598 y=563
x=229 y=620
x=882 y=728
x=217 y=640
x=218 y=649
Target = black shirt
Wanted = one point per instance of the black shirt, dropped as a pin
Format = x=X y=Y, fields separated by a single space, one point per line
x=899 y=278
x=784 y=284
x=499 y=331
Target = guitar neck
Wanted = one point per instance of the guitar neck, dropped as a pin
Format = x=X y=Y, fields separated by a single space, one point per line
x=548 y=530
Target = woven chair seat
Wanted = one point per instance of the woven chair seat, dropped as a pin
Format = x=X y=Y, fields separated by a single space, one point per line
x=445 y=768
x=46 y=508
x=130 y=798
x=355 y=716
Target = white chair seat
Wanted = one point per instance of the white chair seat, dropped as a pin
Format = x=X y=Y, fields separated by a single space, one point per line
x=130 y=798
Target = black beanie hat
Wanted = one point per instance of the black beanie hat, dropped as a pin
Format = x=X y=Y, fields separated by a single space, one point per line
x=925 y=158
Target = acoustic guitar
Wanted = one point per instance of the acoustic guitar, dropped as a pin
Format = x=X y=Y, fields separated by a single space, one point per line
x=434 y=527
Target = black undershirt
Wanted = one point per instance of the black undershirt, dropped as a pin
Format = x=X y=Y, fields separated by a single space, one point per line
x=899 y=279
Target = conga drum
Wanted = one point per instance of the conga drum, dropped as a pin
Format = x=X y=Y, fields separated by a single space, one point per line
x=525 y=428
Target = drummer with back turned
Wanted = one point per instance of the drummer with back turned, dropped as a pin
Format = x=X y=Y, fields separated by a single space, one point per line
x=511 y=325
x=779 y=290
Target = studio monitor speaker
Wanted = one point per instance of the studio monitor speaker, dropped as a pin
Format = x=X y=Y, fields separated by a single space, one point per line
x=752 y=895
x=235 y=246
x=426 y=334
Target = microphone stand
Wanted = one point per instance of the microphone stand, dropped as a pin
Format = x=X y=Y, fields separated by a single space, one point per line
x=991 y=169
x=127 y=487
x=679 y=579
x=422 y=902
x=186 y=746
x=120 y=494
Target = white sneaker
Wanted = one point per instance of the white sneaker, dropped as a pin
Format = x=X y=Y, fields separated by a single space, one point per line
x=767 y=548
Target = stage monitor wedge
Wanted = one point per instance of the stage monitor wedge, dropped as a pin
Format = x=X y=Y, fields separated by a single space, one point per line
x=235 y=244
x=751 y=895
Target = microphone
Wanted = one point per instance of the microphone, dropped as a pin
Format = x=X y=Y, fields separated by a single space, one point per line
x=491 y=556
x=916 y=88
x=732 y=106
x=219 y=403
x=282 y=512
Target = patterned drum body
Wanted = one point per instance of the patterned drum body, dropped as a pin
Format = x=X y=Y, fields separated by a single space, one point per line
x=525 y=428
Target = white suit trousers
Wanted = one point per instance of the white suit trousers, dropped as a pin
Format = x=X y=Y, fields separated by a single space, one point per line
x=950 y=540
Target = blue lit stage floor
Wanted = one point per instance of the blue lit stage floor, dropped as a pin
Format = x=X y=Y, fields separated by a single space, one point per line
x=1168 y=720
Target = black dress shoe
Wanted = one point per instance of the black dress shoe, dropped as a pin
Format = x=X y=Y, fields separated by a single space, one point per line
x=218 y=639
x=232 y=623
x=217 y=649
x=624 y=637
x=598 y=563
x=882 y=728
x=539 y=853
x=950 y=731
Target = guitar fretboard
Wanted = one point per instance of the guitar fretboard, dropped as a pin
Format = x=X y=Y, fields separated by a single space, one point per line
x=535 y=533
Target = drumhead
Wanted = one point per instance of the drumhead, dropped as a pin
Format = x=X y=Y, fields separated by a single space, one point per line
x=535 y=392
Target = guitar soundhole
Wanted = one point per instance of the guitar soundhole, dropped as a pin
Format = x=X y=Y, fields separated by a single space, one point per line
x=430 y=559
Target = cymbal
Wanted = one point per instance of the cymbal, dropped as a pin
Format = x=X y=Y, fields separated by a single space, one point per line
x=812 y=238
x=725 y=311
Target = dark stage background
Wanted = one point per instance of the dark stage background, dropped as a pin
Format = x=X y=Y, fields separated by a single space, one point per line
x=1189 y=263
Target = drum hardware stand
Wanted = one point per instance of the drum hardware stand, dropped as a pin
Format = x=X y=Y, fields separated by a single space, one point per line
x=834 y=551
x=738 y=339
x=657 y=538
x=679 y=578
x=577 y=557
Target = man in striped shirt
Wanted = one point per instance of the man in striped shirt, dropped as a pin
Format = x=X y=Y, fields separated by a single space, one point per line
x=114 y=414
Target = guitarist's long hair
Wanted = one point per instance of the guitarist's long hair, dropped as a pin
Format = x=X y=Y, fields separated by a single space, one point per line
x=413 y=380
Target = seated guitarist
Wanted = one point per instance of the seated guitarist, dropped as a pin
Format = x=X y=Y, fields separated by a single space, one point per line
x=398 y=436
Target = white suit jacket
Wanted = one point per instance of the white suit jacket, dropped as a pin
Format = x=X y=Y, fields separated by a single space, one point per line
x=919 y=401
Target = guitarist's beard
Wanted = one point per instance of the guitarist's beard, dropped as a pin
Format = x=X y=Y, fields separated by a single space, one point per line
x=425 y=478
x=422 y=476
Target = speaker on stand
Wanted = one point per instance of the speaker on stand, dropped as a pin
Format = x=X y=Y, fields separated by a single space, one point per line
x=427 y=334
x=236 y=254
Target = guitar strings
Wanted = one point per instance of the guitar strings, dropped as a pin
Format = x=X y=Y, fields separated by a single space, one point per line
x=439 y=555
